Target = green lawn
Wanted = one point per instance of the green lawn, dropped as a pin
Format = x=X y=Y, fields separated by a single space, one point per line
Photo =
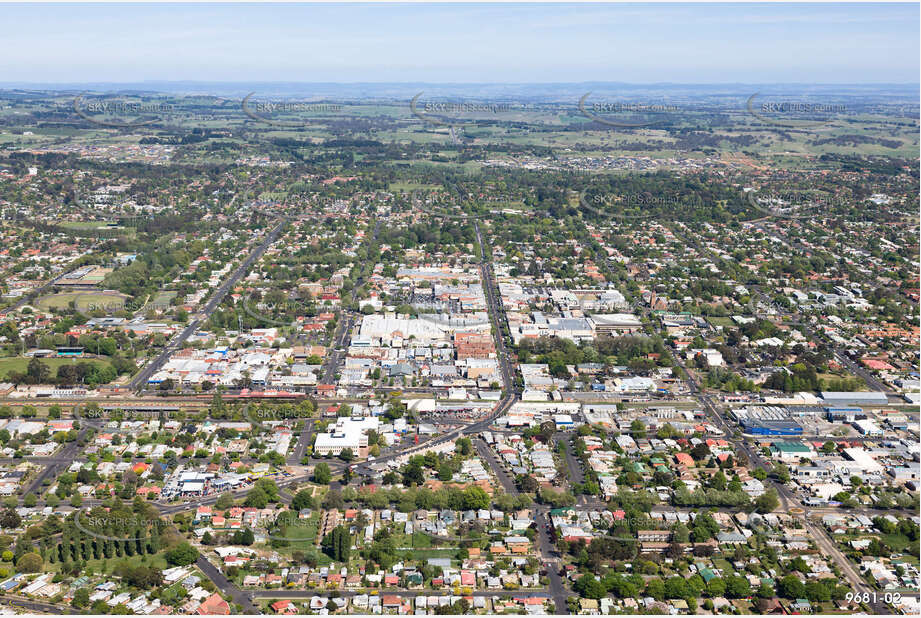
x=424 y=554
x=306 y=530
x=898 y=542
x=19 y=364
x=411 y=186
x=418 y=540
x=164 y=297
x=108 y=566
x=108 y=302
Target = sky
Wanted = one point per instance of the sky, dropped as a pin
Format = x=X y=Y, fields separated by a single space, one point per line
x=453 y=43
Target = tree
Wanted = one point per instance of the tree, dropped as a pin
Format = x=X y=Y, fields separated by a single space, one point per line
x=81 y=598
x=464 y=446
x=817 y=592
x=30 y=500
x=9 y=518
x=526 y=483
x=680 y=533
x=737 y=587
x=38 y=372
x=338 y=543
x=413 y=474
x=30 y=562
x=590 y=588
x=333 y=500
x=346 y=455
x=767 y=502
x=655 y=588
x=700 y=534
x=700 y=452
x=244 y=537
x=781 y=473
x=322 y=474
x=302 y=500
x=256 y=498
x=716 y=587
x=674 y=551
x=638 y=429
x=224 y=501
x=182 y=555
x=475 y=498
x=790 y=587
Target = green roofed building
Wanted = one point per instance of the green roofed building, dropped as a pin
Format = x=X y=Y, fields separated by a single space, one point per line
x=707 y=574
x=791 y=450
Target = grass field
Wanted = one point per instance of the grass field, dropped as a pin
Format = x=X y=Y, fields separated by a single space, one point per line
x=418 y=540
x=722 y=563
x=108 y=302
x=163 y=298
x=306 y=530
x=157 y=561
x=19 y=364
x=423 y=554
x=411 y=186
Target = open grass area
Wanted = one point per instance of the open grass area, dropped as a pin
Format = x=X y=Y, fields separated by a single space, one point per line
x=898 y=542
x=19 y=364
x=107 y=566
x=302 y=537
x=416 y=540
x=423 y=554
x=722 y=563
x=410 y=186
x=108 y=302
x=163 y=298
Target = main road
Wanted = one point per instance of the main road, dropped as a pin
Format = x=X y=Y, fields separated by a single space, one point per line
x=511 y=391
x=549 y=556
x=788 y=499
x=174 y=344
x=243 y=599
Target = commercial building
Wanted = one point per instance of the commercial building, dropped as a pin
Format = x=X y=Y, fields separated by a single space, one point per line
x=872 y=398
x=347 y=433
